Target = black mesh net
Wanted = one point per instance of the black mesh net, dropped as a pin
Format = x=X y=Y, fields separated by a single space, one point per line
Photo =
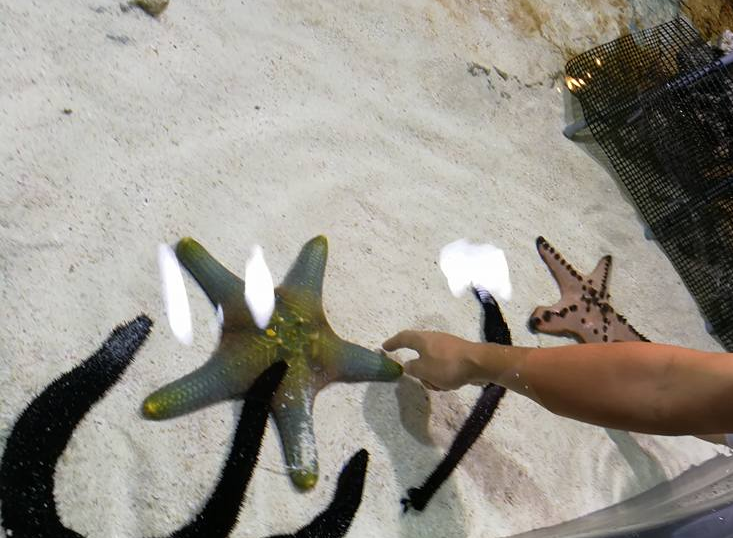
x=660 y=104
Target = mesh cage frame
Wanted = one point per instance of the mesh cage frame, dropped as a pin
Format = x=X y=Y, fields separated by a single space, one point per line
x=659 y=102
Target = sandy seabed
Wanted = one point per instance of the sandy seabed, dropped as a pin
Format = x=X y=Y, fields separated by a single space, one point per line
x=391 y=127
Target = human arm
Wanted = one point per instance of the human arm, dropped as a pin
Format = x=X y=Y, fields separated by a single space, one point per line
x=635 y=386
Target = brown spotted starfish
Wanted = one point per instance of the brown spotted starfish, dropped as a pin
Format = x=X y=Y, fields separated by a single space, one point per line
x=583 y=310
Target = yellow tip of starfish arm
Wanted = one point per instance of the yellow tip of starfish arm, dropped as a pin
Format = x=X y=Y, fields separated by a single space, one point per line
x=303 y=479
x=151 y=408
x=189 y=249
x=187 y=242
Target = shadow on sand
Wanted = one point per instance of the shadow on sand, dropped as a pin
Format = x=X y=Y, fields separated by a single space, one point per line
x=398 y=432
x=502 y=483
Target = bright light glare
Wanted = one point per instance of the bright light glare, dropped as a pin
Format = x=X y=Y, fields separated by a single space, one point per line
x=259 y=291
x=466 y=265
x=216 y=323
x=175 y=299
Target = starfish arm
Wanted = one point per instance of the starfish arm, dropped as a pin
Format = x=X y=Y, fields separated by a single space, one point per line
x=599 y=277
x=623 y=331
x=220 y=513
x=568 y=279
x=306 y=273
x=356 y=363
x=213 y=382
x=293 y=413
x=222 y=287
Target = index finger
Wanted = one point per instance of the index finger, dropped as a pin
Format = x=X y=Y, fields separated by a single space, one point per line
x=408 y=339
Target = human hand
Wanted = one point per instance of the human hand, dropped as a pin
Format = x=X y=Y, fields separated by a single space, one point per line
x=444 y=361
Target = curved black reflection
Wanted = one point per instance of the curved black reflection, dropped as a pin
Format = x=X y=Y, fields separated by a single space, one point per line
x=495 y=330
x=41 y=433
x=43 y=429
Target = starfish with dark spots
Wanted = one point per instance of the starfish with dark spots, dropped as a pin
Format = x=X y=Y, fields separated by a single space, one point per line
x=583 y=310
x=298 y=333
x=495 y=330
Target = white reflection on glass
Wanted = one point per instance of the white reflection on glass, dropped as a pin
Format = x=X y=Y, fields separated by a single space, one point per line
x=480 y=266
x=259 y=291
x=175 y=299
x=217 y=322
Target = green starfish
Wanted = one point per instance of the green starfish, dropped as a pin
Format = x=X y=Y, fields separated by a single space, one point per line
x=298 y=332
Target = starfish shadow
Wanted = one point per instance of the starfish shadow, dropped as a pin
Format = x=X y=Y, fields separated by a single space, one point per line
x=495 y=330
x=335 y=520
x=41 y=433
x=648 y=472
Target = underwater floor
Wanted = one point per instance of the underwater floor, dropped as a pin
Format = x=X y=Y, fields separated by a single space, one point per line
x=393 y=128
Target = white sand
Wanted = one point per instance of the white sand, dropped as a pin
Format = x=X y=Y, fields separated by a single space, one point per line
x=270 y=122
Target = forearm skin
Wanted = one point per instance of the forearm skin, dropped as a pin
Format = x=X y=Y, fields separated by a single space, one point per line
x=634 y=386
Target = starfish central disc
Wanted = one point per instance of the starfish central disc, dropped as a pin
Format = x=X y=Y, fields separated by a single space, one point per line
x=298 y=333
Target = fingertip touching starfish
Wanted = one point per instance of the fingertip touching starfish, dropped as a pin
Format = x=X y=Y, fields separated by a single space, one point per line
x=298 y=333
x=583 y=310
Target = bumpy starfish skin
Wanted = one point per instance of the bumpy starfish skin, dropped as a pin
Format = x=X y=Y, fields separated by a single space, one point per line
x=583 y=310
x=298 y=333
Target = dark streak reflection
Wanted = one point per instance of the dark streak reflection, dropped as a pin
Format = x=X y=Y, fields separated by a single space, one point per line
x=44 y=428
x=495 y=330
x=219 y=515
x=41 y=433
